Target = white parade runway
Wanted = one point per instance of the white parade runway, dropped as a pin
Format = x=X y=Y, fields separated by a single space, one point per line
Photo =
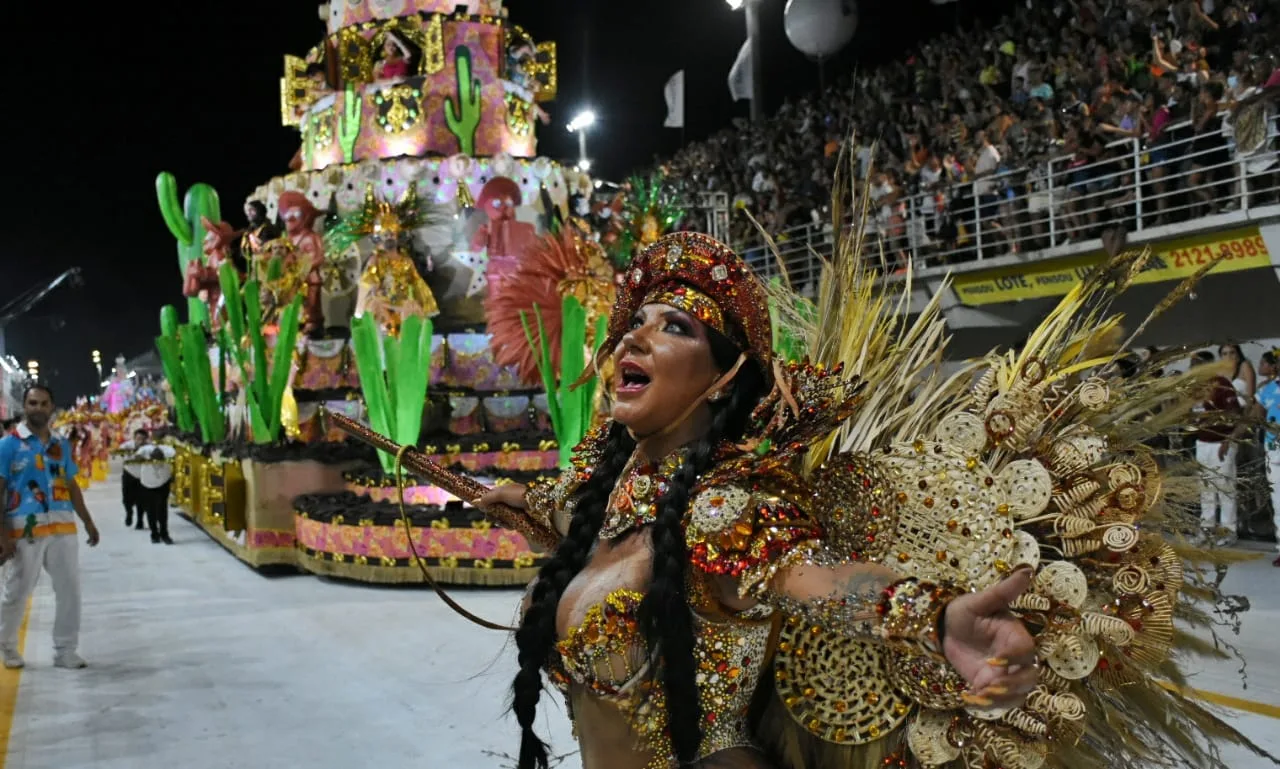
x=196 y=661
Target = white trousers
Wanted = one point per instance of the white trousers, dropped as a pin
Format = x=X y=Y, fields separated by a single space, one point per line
x=59 y=555
x=1273 y=477
x=1217 y=486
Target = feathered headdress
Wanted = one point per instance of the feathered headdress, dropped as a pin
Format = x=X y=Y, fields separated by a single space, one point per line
x=377 y=217
x=649 y=211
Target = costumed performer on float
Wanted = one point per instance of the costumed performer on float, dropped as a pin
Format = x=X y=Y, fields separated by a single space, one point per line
x=219 y=240
x=503 y=237
x=257 y=233
x=303 y=261
x=769 y=565
x=391 y=288
x=394 y=64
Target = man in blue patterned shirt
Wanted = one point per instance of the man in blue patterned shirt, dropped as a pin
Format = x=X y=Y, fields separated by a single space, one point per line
x=1268 y=403
x=41 y=502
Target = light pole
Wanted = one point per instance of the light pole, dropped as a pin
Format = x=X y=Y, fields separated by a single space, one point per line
x=752 y=10
x=33 y=370
x=97 y=363
x=579 y=125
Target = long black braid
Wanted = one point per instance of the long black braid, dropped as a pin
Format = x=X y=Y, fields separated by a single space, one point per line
x=537 y=634
x=664 y=615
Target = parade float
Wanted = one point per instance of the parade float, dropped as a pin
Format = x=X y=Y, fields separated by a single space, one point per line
x=358 y=285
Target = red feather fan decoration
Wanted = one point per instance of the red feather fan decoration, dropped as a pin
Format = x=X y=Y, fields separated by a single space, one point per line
x=556 y=265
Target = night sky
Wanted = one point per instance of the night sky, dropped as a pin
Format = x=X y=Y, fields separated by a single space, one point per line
x=114 y=94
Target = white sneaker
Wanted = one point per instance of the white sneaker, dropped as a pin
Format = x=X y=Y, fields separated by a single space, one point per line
x=69 y=660
x=13 y=660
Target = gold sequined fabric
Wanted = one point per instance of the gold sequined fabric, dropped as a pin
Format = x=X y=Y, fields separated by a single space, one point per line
x=606 y=655
x=396 y=281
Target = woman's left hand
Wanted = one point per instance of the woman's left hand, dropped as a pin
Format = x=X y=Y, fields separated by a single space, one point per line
x=988 y=645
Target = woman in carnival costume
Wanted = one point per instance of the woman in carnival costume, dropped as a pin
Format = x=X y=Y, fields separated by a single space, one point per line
x=763 y=564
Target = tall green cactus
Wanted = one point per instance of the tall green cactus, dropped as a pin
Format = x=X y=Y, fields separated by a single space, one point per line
x=184 y=222
x=199 y=376
x=170 y=349
x=463 y=112
x=264 y=387
x=349 y=123
x=395 y=400
x=570 y=409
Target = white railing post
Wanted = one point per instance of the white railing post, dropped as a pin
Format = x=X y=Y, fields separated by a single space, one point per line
x=1244 y=183
x=914 y=228
x=1053 y=233
x=1137 y=182
x=977 y=218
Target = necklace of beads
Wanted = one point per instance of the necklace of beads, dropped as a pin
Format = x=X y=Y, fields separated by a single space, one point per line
x=634 y=502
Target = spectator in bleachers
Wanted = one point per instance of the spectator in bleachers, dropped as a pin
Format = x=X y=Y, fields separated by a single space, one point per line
x=1055 y=80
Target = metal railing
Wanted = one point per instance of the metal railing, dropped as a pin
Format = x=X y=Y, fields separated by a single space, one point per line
x=1180 y=184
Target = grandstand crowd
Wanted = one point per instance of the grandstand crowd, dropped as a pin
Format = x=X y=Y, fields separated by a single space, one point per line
x=973 y=136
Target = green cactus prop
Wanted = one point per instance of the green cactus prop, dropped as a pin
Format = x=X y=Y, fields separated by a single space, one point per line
x=170 y=350
x=349 y=123
x=199 y=376
x=570 y=409
x=183 y=221
x=463 y=112
x=264 y=385
x=395 y=399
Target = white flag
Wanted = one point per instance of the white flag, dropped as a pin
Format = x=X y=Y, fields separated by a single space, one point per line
x=674 y=91
x=740 y=86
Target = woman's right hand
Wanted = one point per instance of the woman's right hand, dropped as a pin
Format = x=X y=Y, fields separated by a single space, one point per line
x=510 y=494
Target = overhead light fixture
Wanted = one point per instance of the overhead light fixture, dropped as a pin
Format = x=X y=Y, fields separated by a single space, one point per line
x=583 y=120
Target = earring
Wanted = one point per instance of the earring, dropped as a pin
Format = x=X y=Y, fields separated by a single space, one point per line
x=715 y=397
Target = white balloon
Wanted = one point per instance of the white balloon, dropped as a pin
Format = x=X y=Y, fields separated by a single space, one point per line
x=820 y=28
